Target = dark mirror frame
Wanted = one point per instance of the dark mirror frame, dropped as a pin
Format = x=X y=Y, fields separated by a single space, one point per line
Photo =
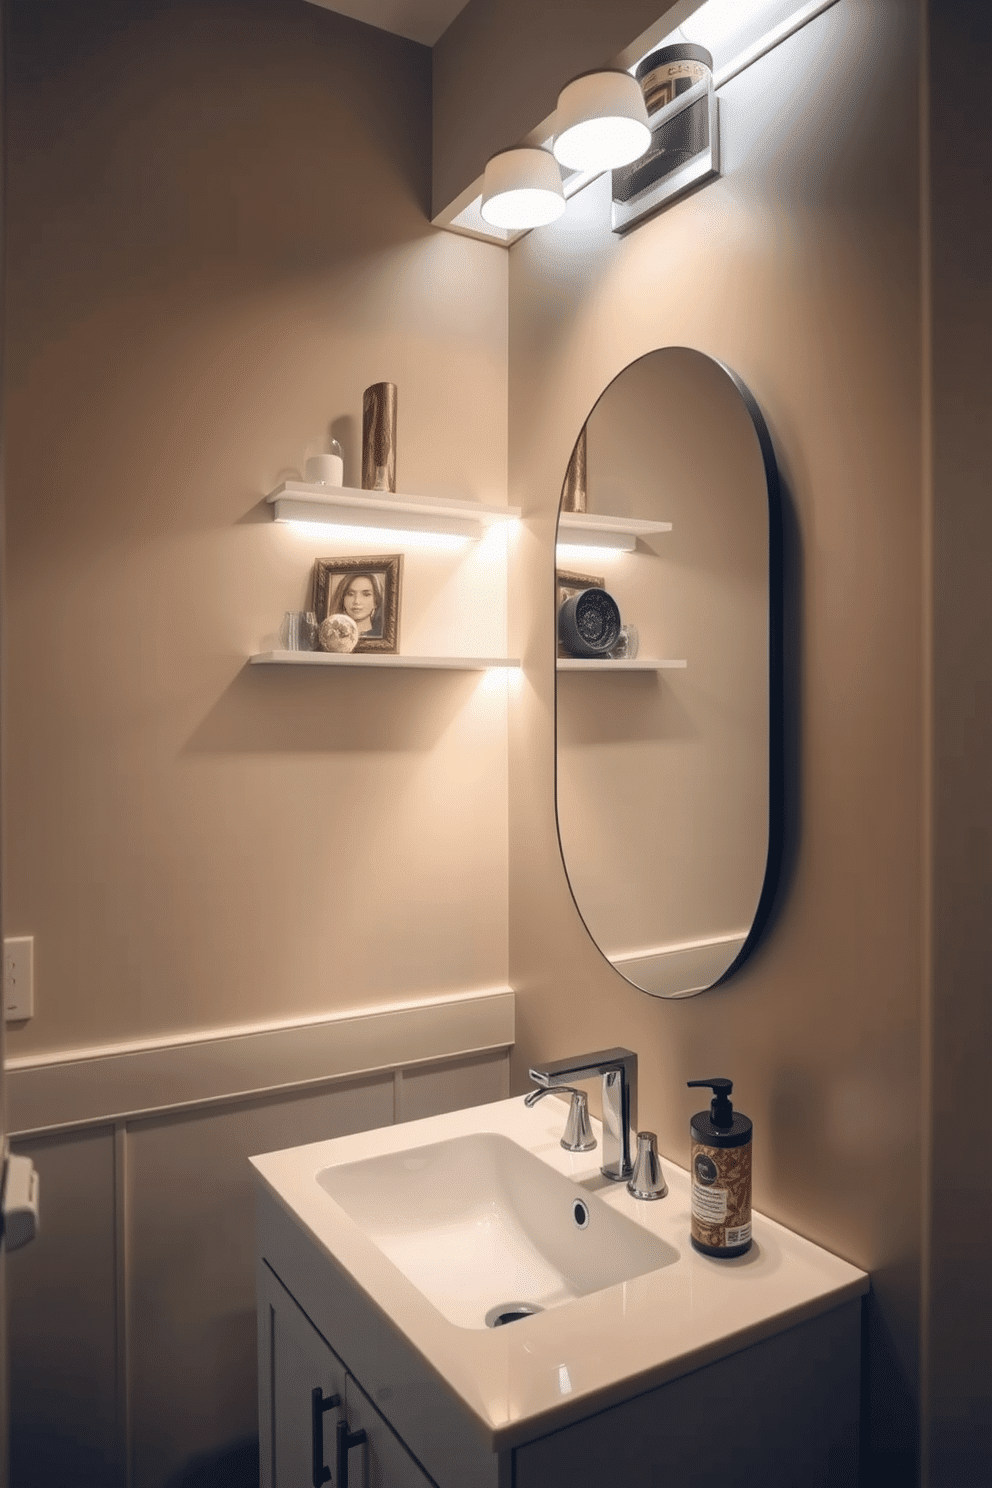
x=776 y=685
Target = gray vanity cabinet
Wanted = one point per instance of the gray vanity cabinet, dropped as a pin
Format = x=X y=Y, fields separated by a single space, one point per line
x=780 y=1412
x=297 y=1438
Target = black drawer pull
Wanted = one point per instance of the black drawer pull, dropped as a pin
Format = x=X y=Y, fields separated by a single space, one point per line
x=346 y=1440
x=318 y=1405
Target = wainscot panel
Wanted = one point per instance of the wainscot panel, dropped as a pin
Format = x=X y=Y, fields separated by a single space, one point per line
x=134 y=1309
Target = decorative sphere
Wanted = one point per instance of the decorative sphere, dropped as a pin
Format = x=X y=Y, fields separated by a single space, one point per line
x=338 y=633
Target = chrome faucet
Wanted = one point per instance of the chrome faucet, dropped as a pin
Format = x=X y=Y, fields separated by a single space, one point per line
x=618 y=1068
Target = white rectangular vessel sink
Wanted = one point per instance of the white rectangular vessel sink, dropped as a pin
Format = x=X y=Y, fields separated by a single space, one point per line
x=487 y=1231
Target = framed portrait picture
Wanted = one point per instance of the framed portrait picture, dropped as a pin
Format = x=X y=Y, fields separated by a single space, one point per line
x=366 y=589
x=567 y=585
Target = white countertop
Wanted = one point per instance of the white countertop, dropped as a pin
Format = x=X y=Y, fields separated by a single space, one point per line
x=596 y=1350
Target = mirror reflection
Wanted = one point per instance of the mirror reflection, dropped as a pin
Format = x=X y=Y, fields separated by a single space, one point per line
x=663 y=738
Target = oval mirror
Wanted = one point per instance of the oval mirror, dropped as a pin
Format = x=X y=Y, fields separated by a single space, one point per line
x=664 y=742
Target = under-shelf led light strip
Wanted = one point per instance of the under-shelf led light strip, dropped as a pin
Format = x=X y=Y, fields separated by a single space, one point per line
x=574 y=552
x=581 y=543
x=353 y=516
x=443 y=542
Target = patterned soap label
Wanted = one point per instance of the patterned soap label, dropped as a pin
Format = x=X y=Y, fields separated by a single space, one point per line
x=721 y=1195
x=709 y=1204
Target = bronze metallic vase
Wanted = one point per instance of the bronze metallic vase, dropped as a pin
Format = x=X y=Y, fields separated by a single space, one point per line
x=573 y=496
x=379 y=437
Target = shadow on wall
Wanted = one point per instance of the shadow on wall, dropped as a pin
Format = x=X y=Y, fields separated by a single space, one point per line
x=890 y=1425
x=786 y=740
x=235 y=1467
x=595 y=708
x=280 y=710
x=39 y=1454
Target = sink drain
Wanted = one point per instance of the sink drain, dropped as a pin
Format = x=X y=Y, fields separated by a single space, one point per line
x=509 y=1312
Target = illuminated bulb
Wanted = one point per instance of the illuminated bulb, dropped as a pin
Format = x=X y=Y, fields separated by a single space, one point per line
x=522 y=189
x=601 y=122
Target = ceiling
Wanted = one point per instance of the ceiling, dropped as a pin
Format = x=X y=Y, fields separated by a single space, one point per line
x=420 y=20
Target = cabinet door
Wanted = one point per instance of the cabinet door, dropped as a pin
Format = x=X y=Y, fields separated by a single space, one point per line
x=382 y=1461
x=296 y=1437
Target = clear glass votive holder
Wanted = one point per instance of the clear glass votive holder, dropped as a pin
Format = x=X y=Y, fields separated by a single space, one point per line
x=298 y=631
x=627 y=646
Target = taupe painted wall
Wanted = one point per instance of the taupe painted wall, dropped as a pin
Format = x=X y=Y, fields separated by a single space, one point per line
x=801 y=270
x=217 y=238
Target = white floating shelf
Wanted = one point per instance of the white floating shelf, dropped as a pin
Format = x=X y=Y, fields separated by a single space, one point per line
x=299 y=501
x=639 y=664
x=382 y=659
x=595 y=530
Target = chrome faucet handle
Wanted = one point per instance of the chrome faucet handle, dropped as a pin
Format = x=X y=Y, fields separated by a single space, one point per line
x=648 y=1181
x=578 y=1135
x=618 y=1068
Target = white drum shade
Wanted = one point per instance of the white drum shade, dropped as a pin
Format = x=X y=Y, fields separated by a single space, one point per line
x=522 y=188
x=601 y=122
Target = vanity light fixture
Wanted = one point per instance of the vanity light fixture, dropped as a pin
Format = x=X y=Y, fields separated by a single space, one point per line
x=601 y=122
x=521 y=189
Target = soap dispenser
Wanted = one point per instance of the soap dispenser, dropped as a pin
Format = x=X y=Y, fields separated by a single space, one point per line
x=720 y=1172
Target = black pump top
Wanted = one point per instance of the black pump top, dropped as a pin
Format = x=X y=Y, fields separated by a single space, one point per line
x=721 y=1111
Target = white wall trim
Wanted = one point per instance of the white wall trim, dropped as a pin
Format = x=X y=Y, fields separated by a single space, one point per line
x=770 y=40
x=239 y=1030
x=98 y=1086
x=680 y=970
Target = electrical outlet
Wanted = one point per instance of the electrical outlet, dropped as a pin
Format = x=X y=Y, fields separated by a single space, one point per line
x=18 y=978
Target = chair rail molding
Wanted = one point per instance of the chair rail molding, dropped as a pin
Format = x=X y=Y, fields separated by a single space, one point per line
x=77 y=1088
